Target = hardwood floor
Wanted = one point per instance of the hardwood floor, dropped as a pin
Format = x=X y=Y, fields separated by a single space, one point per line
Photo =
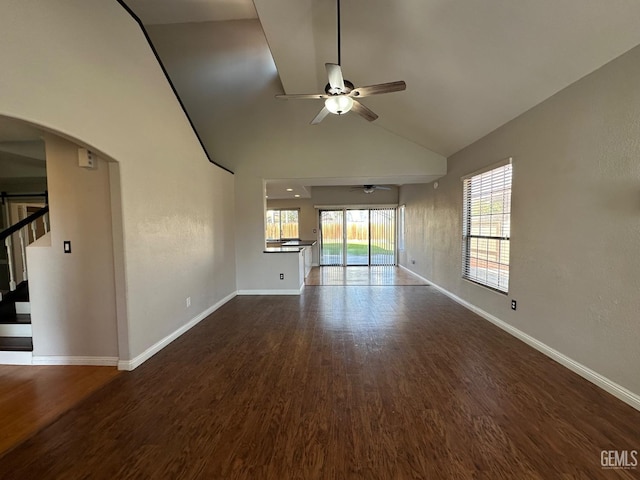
x=349 y=276
x=339 y=383
x=33 y=397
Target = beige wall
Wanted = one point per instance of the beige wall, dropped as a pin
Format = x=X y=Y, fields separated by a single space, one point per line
x=307 y=218
x=23 y=184
x=259 y=137
x=575 y=222
x=334 y=195
x=353 y=196
x=84 y=69
x=73 y=295
x=19 y=168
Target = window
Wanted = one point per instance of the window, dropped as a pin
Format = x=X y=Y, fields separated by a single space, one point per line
x=486 y=227
x=282 y=224
x=401 y=209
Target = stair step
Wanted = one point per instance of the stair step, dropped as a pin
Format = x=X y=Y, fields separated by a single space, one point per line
x=16 y=344
x=23 y=308
x=13 y=317
x=16 y=358
x=7 y=309
x=20 y=294
x=15 y=329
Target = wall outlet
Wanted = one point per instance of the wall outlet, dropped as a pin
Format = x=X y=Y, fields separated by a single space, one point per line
x=513 y=304
x=66 y=246
x=282 y=276
x=188 y=302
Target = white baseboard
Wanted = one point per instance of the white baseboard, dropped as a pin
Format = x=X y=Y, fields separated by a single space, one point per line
x=271 y=292
x=16 y=358
x=155 y=348
x=68 y=360
x=594 y=377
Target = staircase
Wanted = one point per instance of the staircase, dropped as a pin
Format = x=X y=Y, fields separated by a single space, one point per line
x=16 y=342
x=15 y=326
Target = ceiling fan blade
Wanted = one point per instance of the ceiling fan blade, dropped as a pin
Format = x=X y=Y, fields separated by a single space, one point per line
x=334 y=72
x=303 y=96
x=318 y=118
x=363 y=111
x=380 y=187
x=378 y=89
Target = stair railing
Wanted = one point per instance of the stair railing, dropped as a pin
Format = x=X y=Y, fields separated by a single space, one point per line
x=20 y=228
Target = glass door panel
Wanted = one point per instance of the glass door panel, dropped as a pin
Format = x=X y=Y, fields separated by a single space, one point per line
x=331 y=237
x=383 y=236
x=357 y=237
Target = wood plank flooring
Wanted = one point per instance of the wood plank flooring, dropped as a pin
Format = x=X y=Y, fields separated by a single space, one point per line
x=378 y=275
x=339 y=383
x=31 y=397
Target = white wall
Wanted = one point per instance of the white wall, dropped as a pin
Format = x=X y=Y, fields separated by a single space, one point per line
x=575 y=222
x=83 y=68
x=73 y=295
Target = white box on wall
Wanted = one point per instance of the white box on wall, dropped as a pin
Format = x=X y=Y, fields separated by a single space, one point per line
x=86 y=158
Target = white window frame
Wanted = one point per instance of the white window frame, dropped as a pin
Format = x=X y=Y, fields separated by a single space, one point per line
x=401 y=228
x=486 y=226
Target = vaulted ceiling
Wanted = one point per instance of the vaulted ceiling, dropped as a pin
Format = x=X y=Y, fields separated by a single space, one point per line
x=470 y=65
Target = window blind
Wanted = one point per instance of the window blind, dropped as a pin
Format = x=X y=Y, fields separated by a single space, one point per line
x=487 y=227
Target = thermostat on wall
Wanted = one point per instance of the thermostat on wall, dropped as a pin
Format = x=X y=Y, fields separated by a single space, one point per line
x=86 y=158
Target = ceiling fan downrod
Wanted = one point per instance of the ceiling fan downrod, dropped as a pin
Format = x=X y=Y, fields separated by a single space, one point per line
x=340 y=96
x=339 y=35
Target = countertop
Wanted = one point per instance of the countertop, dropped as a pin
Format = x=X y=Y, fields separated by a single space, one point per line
x=292 y=246
x=299 y=243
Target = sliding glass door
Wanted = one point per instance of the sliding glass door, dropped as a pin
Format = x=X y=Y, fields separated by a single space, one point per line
x=332 y=237
x=383 y=236
x=358 y=237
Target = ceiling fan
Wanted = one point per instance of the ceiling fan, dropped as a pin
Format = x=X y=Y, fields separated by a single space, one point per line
x=340 y=95
x=370 y=188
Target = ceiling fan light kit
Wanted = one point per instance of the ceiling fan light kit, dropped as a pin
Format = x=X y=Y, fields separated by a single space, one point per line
x=368 y=189
x=340 y=94
x=339 y=104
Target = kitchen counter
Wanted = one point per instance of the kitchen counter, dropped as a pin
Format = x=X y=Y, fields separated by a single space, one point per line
x=299 y=243
x=292 y=246
x=291 y=270
x=283 y=249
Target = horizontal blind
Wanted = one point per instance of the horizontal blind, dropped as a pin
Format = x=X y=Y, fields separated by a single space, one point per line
x=487 y=227
x=382 y=237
